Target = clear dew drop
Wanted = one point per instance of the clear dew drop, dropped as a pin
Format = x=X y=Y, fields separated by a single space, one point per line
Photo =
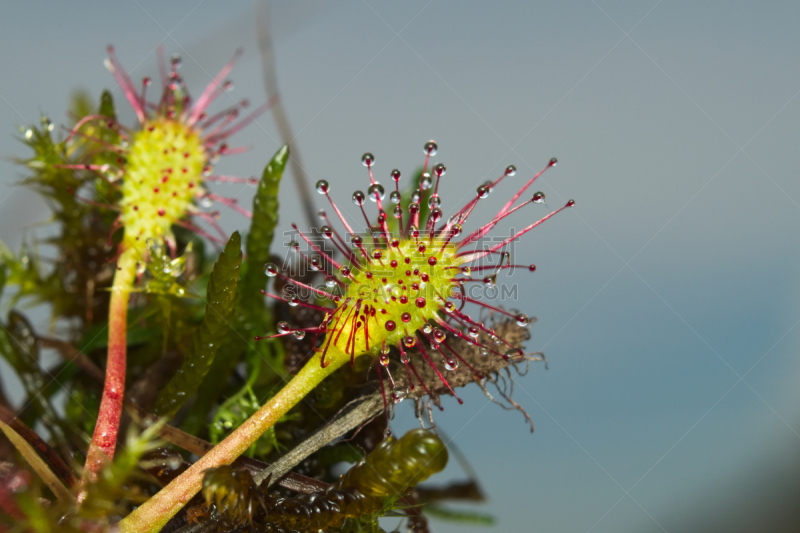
x=434 y=201
x=271 y=270
x=322 y=187
x=398 y=211
x=426 y=182
x=176 y=60
x=206 y=202
x=451 y=364
x=409 y=341
x=28 y=133
x=299 y=335
x=431 y=148
x=367 y=159
x=345 y=271
x=511 y=170
x=395 y=197
x=283 y=327
x=359 y=197
x=440 y=170
x=522 y=320
x=321 y=214
x=326 y=231
x=385 y=350
x=395 y=175
x=435 y=214
x=330 y=281
x=399 y=395
x=376 y=192
x=553 y=162
x=294 y=301
x=484 y=352
x=473 y=332
x=426 y=328
x=538 y=197
x=483 y=192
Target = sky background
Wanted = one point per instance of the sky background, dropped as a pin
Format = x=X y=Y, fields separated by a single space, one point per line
x=667 y=299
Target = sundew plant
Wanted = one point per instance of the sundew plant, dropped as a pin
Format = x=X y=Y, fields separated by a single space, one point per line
x=212 y=385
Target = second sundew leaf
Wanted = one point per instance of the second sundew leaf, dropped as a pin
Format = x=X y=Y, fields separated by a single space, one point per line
x=211 y=333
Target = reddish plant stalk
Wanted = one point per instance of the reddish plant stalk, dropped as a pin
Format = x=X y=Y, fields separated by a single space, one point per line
x=104 y=440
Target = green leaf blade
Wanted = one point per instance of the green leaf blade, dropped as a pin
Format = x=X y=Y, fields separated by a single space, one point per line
x=221 y=296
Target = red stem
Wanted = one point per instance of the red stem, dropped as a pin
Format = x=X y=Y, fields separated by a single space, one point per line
x=104 y=440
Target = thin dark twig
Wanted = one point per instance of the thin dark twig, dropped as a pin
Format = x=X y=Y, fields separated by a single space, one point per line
x=278 y=113
x=358 y=412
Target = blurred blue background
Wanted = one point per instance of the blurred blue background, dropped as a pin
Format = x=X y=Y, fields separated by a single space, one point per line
x=668 y=298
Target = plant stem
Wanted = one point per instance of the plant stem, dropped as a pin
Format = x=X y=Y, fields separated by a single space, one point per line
x=104 y=440
x=153 y=514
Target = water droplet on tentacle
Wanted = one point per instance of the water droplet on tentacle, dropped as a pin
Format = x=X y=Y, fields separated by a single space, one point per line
x=376 y=192
x=425 y=182
x=271 y=270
